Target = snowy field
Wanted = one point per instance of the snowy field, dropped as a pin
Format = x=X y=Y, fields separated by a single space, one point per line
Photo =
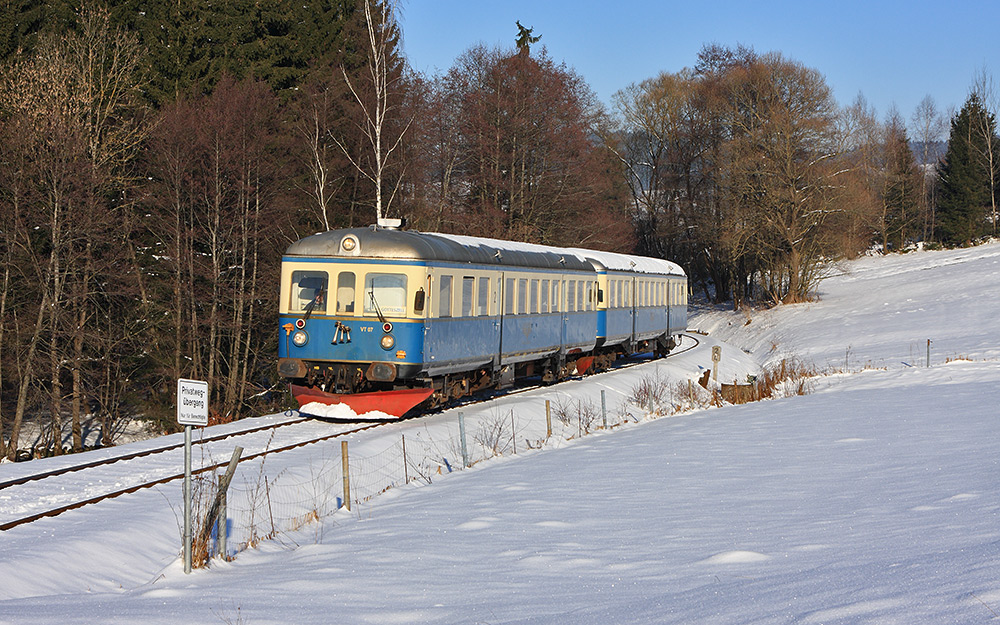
x=873 y=499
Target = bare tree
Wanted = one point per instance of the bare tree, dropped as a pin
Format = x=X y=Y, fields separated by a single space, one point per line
x=378 y=96
x=780 y=171
x=985 y=126
x=928 y=127
x=313 y=127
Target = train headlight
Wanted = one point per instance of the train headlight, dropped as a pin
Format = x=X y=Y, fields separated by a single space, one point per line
x=300 y=338
x=388 y=342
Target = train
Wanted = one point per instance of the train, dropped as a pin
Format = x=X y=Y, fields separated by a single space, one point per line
x=390 y=319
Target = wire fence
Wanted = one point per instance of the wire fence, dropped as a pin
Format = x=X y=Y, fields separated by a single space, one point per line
x=268 y=506
x=265 y=505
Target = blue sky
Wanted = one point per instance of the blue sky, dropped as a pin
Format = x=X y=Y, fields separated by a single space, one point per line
x=894 y=52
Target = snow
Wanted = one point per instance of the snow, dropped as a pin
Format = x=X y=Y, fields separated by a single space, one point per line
x=872 y=499
x=611 y=260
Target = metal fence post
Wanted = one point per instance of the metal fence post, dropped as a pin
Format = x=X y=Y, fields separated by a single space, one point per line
x=604 y=410
x=928 y=353
x=513 y=433
x=548 y=420
x=223 y=526
x=461 y=430
x=406 y=471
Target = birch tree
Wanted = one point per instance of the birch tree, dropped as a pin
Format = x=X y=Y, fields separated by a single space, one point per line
x=377 y=93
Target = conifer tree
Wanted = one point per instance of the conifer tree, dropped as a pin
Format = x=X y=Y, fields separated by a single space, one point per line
x=963 y=207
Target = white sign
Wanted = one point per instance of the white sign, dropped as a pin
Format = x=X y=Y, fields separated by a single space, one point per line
x=716 y=353
x=192 y=402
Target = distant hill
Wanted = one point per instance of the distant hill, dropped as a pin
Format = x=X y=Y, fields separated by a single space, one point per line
x=935 y=152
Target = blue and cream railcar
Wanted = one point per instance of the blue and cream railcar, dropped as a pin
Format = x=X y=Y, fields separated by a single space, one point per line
x=642 y=304
x=378 y=309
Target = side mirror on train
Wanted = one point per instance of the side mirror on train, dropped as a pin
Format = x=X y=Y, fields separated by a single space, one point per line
x=418 y=301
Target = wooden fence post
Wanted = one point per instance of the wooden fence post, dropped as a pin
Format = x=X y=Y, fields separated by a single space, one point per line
x=347 y=475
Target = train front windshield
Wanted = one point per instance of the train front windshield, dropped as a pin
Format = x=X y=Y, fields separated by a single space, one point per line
x=309 y=290
x=385 y=293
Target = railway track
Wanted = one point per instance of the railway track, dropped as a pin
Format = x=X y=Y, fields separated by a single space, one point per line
x=55 y=492
x=138 y=454
x=56 y=480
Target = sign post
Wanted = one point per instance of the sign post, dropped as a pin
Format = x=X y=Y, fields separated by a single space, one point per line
x=192 y=409
x=716 y=357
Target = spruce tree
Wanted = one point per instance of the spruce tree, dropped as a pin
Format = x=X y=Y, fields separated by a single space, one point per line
x=965 y=198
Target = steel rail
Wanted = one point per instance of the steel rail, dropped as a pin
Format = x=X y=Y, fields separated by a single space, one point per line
x=131 y=489
x=139 y=454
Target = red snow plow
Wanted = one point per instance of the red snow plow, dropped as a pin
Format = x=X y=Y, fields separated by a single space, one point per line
x=395 y=403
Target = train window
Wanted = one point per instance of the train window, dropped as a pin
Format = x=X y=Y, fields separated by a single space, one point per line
x=468 y=284
x=543 y=297
x=483 y=297
x=590 y=296
x=385 y=293
x=570 y=295
x=508 y=297
x=522 y=296
x=555 y=296
x=444 y=296
x=309 y=291
x=345 y=293
x=533 y=295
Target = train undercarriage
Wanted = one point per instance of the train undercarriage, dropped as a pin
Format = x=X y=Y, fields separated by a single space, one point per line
x=367 y=389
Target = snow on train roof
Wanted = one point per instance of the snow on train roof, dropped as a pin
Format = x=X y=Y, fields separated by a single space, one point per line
x=626 y=262
x=613 y=261
x=392 y=243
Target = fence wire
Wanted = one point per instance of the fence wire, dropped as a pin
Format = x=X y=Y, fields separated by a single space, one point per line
x=264 y=506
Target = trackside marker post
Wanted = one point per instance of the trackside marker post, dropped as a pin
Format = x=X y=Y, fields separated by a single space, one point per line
x=192 y=409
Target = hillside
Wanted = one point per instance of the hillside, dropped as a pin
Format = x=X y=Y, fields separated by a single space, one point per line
x=872 y=499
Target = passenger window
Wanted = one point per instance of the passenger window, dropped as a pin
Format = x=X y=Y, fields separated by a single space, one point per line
x=345 y=293
x=543 y=296
x=522 y=296
x=385 y=293
x=468 y=284
x=555 y=296
x=484 y=297
x=533 y=294
x=508 y=297
x=444 y=296
x=571 y=296
x=309 y=287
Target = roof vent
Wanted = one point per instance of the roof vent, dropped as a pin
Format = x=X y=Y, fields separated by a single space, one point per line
x=392 y=224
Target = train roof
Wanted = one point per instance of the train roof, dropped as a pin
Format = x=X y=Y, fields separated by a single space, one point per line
x=377 y=242
x=613 y=261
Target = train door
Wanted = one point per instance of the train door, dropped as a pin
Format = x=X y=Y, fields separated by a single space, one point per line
x=498 y=321
x=631 y=299
x=666 y=296
x=564 y=308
